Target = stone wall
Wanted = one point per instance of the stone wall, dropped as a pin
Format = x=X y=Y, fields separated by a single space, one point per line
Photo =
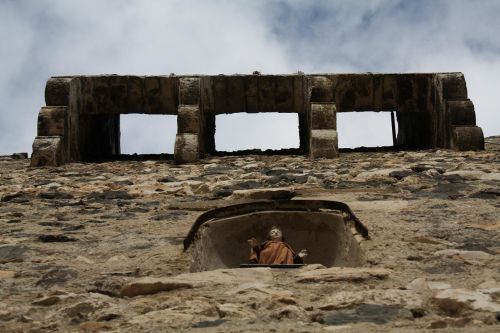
x=80 y=121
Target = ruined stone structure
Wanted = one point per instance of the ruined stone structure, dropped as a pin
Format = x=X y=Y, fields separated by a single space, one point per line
x=81 y=121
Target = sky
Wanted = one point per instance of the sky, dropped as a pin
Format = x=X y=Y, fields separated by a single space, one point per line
x=43 y=38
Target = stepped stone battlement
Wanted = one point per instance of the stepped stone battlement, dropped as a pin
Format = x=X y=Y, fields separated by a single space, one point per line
x=81 y=119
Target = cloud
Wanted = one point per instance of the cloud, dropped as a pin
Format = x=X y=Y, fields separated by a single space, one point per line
x=58 y=37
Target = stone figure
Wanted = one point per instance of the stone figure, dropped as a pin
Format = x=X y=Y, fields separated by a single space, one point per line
x=274 y=250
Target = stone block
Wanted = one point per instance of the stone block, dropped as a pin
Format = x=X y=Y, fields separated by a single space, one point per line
x=322 y=89
x=135 y=94
x=344 y=93
x=153 y=103
x=454 y=86
x=207 y=95
x=57 y=91
x=323 y=116
x=100 y=94
x=378 y=86
x=47 y=151
x=324 y=143
x=406 y=87
x=267 y=85
x=219 y=89
x=299 y=94
x=118 y=91
x=389 y=93
x=422 y=87
x=461 y=113
x=467 y=138
x=188 y=119
x=363 y=95
x=252 y=93
x=235 y=94
x=284 y=94
x=52 y=121
x=189 y=90
x=186 y=148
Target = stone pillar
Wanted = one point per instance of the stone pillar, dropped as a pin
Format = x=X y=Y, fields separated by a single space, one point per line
x=188 y=139
x=49 y=147
x=460 y=114
x=50 y=144
x=324 y=138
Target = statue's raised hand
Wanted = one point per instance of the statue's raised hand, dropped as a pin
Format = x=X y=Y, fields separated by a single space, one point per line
x=253 y=242
x=303 y=253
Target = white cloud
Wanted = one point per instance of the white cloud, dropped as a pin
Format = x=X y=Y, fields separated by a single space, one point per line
x=58 y=37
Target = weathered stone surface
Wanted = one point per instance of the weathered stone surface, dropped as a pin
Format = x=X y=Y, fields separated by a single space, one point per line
x=323 y=116
x=345 y=299
x=468 y=138
x=254 y=290
x=324 y=143
x=230 y=276
x=453 y=302
x=470 y=257
x=188 y=119
x=148 y=285
x=57 y=276
x=12 y=253
x=47 y=151
x=57 y=91
x=161 y=95
x=264 y=193
x=334 y=274
x=461 y=113
x=454 y=87
x=4 y=275
x=371 y=313
x=139 y=232
x=186 y=148
x=322 y=89
x=52 y=121
x=189 y=91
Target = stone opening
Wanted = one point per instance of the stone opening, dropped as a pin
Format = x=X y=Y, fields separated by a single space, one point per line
x=365 y=129
x=268 y=132
x=147 y=134
x=332 y=236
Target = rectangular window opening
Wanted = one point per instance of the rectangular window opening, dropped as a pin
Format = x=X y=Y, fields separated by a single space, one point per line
x=358 y=130
x=146 y=134
x=257 y=132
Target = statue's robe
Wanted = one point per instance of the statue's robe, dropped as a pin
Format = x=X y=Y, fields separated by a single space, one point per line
x=274 y=253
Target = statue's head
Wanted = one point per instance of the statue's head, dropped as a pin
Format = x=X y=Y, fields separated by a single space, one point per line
x=275 y=234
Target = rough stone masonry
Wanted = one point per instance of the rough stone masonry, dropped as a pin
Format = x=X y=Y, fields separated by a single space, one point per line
x=81 y=119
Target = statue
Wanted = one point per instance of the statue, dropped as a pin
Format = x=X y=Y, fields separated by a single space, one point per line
x=274 y=250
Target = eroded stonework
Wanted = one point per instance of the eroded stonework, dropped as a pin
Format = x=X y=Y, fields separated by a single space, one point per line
x=81 y=121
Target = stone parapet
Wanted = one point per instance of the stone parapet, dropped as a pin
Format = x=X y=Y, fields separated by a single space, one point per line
x=432 y=109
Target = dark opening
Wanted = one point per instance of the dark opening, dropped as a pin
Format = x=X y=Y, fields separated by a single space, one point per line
x=243 y=133
x=147 y=135
x=359 y=130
